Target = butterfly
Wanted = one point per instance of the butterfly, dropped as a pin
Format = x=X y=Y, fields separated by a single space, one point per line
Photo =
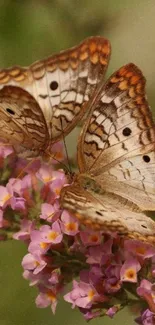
x=115 y=185
x=42 y=103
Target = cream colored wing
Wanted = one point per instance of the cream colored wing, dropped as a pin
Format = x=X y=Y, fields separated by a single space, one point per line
x=62 y=84
x=120 y=124
x=117 y=145
x=108 y=212
x=22 y=122
x=116 y=156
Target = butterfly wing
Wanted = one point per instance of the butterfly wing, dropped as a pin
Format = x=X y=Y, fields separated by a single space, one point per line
x=116 y=158
x=108 y=212
x=117 y=144
x=62 y=84
x=22 y=122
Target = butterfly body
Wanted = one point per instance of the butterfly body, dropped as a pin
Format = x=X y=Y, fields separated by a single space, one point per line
x=116 y=158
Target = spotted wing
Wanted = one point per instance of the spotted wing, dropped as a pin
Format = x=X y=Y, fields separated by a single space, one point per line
x=117 y=145
x=22 y=122
x=62 y=84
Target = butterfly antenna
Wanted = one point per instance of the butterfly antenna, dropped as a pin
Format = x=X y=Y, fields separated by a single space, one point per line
x=60 y=162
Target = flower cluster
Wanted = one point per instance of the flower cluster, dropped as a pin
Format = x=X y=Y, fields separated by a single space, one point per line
x=107 y=272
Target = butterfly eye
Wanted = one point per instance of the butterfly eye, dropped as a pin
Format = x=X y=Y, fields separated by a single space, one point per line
x=126 y=132
x=53 y=85
x=146 y=158
x=10 y=111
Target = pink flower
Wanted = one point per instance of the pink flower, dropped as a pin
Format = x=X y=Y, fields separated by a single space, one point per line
x=100 y=254
x=89 y=314
x=5 y=149
x=129 y=270
x=38 y=242
x=50 y=212
x=111 y=311
x=83 y=295
x=91 y=238
x=112 y=281
x=5 y=196
x=147 y=318
x=147 y=291
x=138 y=248
x=69 y=224
x=57 y=152
x=27 y=227
x=33 y=263
x=57 y=184
x=45 y=298
x=19 y=185
x=53 y=234
x=45 y=174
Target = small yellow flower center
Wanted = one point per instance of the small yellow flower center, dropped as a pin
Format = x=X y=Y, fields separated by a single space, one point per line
x=53 y=235
x=57 y=191
x=71 y=226
x=6 y=198
x=47 y=179
x=141 y=250
x=91 y=294
x=130 y=274
x=93 y=238
x=43 y=245
x=58 y=155
x=51 y=296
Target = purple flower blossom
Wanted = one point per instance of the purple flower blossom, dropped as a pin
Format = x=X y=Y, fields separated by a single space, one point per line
x=91 y=238
x=129 y=270
x=5 y=149
x=27 y=227
x=34 y=263
x=45 y=298
x=146 y=318
x=83 y=295
x=50 y=212
x=111 y=311
x=60 y=249
x=139 y=249
x=69 y=224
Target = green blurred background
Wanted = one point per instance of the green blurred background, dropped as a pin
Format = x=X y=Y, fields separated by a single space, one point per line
x=31 y=30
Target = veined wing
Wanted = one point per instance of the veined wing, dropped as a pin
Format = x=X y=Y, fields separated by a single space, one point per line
x=63 y=83
x=118 y=141
x=120 y=123
x=108 y=212
x=22 y=122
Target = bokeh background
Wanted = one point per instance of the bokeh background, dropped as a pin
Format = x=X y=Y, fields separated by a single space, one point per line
x=31 y=30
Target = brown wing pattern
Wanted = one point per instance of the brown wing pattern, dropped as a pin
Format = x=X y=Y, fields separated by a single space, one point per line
x=22 y=122
x=120 y=123
x=62 y=84
x=116 y=156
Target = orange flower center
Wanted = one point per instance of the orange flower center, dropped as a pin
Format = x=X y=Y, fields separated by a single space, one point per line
x=91 y=294
x=53 y=235
x=93 y=238
x=71 y=226
x=43 y=245
x=130 y=274
x=51 y=296
x=141 y=250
